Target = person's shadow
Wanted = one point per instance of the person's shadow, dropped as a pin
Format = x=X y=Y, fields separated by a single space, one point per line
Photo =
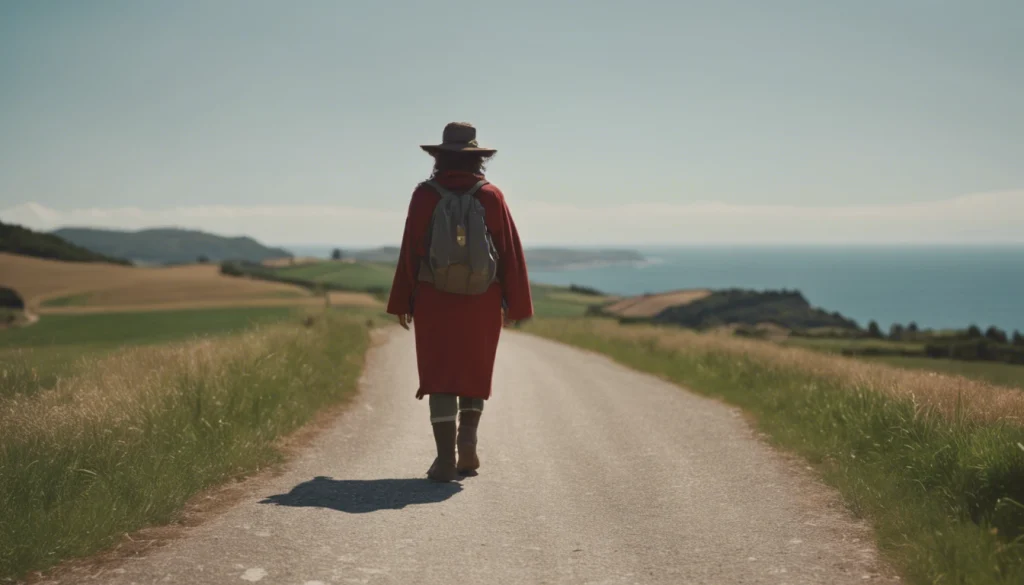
x=359 y=496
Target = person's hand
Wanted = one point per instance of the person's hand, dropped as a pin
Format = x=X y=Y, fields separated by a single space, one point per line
x=404 y=321
x=505 y=320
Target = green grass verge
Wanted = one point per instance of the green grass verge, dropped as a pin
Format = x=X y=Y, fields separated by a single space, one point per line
x=134 y=436
x=944 y=496
x=992 y=372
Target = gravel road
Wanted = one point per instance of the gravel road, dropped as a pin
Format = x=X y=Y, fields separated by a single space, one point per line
x=591 y=473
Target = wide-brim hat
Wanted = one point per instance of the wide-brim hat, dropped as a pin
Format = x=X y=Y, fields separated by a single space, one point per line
x=458 y=137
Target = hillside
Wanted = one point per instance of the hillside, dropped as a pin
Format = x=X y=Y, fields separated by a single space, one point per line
x=25 y=242
x=788 y=309
x=704 y=309
x=170 y=246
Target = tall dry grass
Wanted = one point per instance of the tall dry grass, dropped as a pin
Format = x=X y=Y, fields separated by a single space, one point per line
x=935 y=462
x=953 y=396
x=128 y=440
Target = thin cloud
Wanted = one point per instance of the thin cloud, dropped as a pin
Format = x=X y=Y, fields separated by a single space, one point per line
x=979 y=218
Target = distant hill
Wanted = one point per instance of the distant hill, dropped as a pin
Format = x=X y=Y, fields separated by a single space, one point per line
x=536 y=258
x=386 y=254
x=560 y=258
x=170 y=245
x=708 y=309
x=25 y=242
x=787 y=309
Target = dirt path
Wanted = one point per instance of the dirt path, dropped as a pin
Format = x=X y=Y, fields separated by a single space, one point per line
x=591 y=474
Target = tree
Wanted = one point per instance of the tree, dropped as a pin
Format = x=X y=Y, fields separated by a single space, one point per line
x=874 y=330
x=974 y=332
x=336 y=254
x=1018 y=339
x=202 y=259
x=896 y=332
x=912 y=327
x=995 y=334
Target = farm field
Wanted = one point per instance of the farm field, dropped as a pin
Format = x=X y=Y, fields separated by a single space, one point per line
x=50 y=284
x=650 y=305
x=365 y=276
x=34 y=358
x=555 y=301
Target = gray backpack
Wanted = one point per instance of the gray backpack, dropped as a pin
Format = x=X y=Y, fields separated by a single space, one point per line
x=461 y=257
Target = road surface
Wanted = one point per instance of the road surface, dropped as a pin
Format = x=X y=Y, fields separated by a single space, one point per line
x=591 y=473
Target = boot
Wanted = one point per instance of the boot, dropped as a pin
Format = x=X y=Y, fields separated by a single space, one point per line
x=469 y=462
x=443 y=469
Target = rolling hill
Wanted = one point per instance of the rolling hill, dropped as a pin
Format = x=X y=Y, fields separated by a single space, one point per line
x=15 y=239
x=170 y=245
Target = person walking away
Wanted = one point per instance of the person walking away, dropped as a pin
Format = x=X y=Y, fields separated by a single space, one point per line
x=461 y=277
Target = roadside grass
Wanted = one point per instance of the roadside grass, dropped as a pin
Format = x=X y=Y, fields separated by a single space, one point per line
x=35 y=358
x=131 y=436
x=987 y=371
x=992 y=372
x=834 y=345
x=935 y=463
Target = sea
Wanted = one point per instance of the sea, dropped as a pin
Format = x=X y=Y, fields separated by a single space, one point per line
x=938 y=287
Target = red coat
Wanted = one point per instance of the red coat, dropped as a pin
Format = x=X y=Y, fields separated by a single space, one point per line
x=457 y=335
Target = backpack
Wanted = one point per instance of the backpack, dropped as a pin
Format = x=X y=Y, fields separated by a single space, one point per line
x=461 y=257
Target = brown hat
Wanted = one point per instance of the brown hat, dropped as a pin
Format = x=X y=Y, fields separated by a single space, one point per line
x=458 y=137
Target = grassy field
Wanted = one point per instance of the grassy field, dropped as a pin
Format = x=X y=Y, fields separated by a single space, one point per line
x=837 y=345
x=117 y=329
x=34 y=358
x=985 y=371
x=652 y=305
x=556 y=301
x=133 y=433
x=51 y=284
x=935 y=463
x=992 y=372
x=365 y=276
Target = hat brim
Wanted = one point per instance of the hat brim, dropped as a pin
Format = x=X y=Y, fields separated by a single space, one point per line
x=432 y=148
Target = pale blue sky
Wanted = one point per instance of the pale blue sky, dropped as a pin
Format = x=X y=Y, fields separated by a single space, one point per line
x=319 y=106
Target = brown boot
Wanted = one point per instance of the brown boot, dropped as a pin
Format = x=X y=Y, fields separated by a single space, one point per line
x=443 y=469
x=469 y=420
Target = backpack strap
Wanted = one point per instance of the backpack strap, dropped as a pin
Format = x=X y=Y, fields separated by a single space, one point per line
x=472 y=191
x=445 y=193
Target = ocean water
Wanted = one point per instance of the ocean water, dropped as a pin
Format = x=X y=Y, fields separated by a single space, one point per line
x=938 y=287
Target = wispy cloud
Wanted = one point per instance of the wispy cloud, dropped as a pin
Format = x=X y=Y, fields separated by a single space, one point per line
x=979 y=218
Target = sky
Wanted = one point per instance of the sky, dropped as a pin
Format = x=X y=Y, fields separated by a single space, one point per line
x=639 y=122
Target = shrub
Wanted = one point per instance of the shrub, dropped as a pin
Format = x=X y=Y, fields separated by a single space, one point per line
x=995 y=334
x=874 y=330
x=585 y=290
x=10 y=299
